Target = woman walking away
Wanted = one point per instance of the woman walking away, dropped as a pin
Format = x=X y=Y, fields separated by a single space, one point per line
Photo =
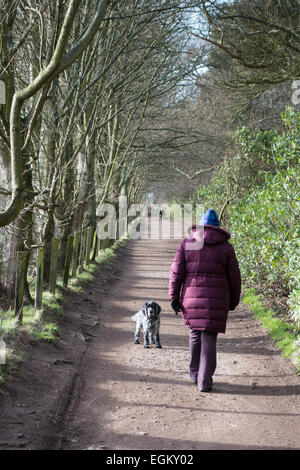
x=204 y=284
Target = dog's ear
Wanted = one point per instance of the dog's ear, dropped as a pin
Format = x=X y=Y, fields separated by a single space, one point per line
x=144 y=309
x=158 y=309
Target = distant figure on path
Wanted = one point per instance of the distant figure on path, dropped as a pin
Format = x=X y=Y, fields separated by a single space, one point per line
x=204 y=285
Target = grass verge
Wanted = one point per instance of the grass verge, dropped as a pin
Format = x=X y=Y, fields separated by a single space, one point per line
x=43 y=325
x=284 y=334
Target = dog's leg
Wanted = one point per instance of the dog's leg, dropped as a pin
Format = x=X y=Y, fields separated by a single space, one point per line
x=146 y=338
x=157 y=340
x=152 y=338
x=137 y=333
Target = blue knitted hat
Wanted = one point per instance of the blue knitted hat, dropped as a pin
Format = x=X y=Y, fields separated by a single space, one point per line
x=210 y=217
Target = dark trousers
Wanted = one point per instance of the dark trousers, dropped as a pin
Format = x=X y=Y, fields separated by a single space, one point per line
x=203 y=349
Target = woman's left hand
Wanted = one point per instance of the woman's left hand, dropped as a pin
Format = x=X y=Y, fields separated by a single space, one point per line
x=176 y=305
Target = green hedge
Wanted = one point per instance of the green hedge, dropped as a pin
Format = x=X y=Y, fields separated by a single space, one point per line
x=262 y=181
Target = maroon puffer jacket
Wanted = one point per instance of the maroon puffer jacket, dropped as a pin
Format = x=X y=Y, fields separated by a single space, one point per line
x=210 y=280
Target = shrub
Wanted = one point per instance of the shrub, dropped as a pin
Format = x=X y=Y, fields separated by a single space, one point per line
x=262 y=185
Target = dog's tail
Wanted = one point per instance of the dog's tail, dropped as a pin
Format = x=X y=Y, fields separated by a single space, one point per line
x=133 y=318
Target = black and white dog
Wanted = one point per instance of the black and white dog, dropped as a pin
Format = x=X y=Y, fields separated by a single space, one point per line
x=148 y=318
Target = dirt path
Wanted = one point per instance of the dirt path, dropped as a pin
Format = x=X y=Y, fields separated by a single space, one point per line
x=117 y=395
x=132 y=398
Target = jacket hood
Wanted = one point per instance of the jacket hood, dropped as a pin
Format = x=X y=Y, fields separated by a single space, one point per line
x=212 y=234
